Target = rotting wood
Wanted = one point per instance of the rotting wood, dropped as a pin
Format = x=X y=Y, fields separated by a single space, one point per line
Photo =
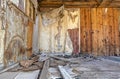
x=64 y=73
x=44 y=73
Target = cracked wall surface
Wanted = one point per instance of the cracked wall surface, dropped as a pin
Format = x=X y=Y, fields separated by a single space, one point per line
x=15 y=32
x=55 y=37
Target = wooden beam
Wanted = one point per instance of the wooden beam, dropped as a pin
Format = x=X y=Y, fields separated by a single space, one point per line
x=99 y=1
x=79 y=4
x=105 y=3
x=44 y=73
x=66 y=4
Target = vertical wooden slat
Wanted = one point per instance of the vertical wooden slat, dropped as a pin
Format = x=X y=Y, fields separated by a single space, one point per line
x=94 y=31
x=84 y=31
x=103 y=23
x=82 y=22
x=116 y=31
x=100 y=32
x=119 y=28
x=104 y=31
x=81 y=29
x=88 y=30
x=29 y=38
x=107 y=31
x=111 y=34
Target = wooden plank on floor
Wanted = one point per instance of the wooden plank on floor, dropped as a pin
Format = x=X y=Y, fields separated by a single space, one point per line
x=8 y=75
x=44 y=73
x=10 y=67
x=27 y=75
x=64 y=73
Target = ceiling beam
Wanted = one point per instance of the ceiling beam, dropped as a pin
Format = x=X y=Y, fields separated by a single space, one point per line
x=105 y=3
x=78 y=3
x=66 y=4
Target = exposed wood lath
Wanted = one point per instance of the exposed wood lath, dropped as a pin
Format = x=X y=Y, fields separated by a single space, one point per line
x=79 y=3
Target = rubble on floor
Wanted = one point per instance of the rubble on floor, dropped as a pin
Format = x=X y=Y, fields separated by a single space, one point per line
x=61 y=66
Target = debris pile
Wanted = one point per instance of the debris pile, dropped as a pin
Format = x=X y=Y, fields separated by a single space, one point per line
x=61 y=64
x=29 y=65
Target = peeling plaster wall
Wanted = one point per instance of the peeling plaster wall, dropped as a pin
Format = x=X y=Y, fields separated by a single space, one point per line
x=20 y=4
x=2 y=35
x=16 y=36
x=16 y=32
x=55 y=37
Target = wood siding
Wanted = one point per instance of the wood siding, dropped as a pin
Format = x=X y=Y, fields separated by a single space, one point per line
x=100 y=31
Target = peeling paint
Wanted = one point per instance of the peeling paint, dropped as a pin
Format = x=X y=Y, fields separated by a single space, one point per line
x=2 y=35
x=55 y=37
x=16 y=37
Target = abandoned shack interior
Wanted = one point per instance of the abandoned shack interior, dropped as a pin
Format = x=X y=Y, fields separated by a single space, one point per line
x=59 y=39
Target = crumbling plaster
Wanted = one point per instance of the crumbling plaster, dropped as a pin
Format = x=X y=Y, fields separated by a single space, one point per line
x=54 y=37
x=14 y=27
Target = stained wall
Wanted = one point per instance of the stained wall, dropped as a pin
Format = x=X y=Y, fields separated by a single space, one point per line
x=100 y=33
x=16 y=31
x=54 y=36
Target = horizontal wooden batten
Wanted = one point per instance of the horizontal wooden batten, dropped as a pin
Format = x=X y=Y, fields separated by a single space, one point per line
x=67 y=4
x=80 y=3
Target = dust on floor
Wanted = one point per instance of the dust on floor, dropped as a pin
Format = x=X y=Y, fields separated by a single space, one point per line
x=80 y=67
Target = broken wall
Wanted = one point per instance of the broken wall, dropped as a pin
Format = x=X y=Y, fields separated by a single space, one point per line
x=54 y=35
